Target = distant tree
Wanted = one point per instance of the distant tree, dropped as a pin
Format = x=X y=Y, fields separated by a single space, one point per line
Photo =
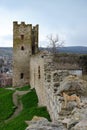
x=54 y=43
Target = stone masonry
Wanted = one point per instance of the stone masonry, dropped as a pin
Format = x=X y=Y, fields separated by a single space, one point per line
x=49 y=83
x=36 y=68
x=25 y=44
x=45 y=78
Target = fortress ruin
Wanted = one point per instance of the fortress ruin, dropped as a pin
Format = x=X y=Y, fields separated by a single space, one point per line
x=37 y=69
x=25 y=44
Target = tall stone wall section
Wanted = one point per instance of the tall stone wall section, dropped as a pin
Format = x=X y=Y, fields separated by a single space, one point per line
x=48 y=83
x=37 y=77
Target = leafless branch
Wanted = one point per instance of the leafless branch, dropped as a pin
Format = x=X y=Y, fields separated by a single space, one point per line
x=54 y=42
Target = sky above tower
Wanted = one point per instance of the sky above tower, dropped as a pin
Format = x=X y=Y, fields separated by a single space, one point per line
x=67 y=18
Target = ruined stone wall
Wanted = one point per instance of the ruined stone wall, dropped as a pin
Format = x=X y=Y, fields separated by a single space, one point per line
x=53 y=79
x=23 y=48
x=48 y=84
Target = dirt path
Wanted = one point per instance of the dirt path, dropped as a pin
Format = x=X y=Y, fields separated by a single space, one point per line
x=17 y=103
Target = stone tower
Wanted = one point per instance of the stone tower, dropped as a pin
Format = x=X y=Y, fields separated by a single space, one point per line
x=25 y=44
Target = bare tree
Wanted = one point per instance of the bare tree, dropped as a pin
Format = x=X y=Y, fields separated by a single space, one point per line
x=54 y=43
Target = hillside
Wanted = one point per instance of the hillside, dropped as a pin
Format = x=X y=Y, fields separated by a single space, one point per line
x=19 y=106
x=74 y=49
x=6 y=51
x=71 y=49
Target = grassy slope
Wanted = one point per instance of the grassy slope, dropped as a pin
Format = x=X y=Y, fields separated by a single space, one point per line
x=30 y=103
x=6 y=104
x=25 y=88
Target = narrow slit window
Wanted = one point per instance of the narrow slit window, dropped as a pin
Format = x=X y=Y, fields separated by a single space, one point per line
x=22 y=37
x=22 y=48
x=21 y=75
x=39 y=76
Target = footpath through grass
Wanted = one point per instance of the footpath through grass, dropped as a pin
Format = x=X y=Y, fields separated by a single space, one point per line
x=30 y=108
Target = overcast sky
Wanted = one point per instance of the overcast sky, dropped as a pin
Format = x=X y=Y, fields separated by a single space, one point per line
x=67 y=18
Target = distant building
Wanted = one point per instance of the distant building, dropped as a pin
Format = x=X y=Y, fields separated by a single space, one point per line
x=5 y=79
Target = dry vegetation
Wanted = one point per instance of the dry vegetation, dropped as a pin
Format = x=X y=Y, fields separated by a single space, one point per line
x=67 y=61
x=84 y=77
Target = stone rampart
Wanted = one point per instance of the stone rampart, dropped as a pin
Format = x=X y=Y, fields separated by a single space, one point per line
x=45 y=78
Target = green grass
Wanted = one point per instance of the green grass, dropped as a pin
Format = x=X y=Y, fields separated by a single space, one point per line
x=6 y=104
x=30 y=105
x=23 y=88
